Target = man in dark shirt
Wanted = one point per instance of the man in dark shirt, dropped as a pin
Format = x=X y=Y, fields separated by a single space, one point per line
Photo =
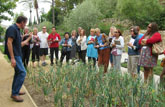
x=13 y=46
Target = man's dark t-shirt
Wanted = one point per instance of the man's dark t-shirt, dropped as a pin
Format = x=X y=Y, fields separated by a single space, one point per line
x=13 y=32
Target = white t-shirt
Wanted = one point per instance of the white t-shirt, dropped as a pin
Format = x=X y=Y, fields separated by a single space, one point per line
x=132 y=42
x=43 y=38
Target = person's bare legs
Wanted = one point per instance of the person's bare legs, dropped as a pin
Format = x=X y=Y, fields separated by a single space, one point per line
x=44 y=58
x=146 y=73
x=112 y=65
x=151 y=74
x=33 y=64
x=163 y=73
x=41 y=57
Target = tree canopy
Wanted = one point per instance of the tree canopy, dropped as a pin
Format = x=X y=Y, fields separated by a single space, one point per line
x=140 y=12
x=6 y=6
x=85 y=15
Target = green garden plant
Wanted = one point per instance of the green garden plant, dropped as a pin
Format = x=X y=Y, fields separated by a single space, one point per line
x=83 y=85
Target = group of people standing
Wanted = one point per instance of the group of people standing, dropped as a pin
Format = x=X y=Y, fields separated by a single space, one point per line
x=97 y=47
x=140 y=50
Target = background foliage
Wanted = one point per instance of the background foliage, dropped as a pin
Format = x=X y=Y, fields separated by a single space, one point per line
x=6 y=6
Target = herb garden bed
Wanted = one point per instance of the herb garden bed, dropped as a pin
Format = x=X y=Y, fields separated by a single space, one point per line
x=75 y=86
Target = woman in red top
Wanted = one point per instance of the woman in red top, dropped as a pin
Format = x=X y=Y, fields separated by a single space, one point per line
x=147 y=59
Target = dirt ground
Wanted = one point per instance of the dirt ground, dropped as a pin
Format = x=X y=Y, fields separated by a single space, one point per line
x=6 y=79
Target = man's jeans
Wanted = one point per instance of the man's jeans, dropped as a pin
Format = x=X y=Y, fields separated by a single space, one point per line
x=19 y=76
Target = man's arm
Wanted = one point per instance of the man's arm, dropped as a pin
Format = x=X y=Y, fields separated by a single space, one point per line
x=10 y=49
x=27 y=40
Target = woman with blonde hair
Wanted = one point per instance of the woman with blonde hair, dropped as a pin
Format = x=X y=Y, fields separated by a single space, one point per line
x=26 y=48
x=111 y=36
x=111 y=31
x=36 y=46
x=73 y=50
x=91 y=50
x=102 y=44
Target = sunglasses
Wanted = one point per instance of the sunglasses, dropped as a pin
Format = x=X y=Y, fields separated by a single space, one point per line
x=149 y=27
x=116 y=32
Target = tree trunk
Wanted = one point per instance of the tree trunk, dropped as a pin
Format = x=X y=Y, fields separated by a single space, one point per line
x=36 y=7
x=53 y=18
x=38 y=19
x=30 y=21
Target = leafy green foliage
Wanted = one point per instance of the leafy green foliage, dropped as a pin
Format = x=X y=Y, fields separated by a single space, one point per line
x=6 y=6
x=106 y=7
x=48 y=25
x=85 y=15
x=2 y=51
x=2 y=31
x=141 y=12
x=67 y=5
x=48 y=16
x=16 y=16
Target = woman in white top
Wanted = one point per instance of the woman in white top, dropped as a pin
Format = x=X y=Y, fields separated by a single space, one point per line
x=117 y=49
x=81 y=42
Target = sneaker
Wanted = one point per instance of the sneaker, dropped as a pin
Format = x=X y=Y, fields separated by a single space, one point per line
x=52 y=64
x=43 y=64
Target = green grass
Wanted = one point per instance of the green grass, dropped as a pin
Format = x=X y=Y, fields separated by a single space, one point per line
x=2 y=50
x=157 y=70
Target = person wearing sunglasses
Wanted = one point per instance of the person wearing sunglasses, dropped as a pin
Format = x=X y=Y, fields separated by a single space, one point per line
x=147 y=59
x=133 y=52
x=43 y=35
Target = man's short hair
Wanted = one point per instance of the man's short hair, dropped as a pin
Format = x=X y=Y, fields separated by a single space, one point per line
x=21 y=19
x=44 y=27
x=54 y=27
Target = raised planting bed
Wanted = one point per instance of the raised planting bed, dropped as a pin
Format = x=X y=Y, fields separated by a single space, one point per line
x=82 y=85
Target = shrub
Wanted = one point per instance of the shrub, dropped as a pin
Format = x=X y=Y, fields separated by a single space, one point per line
x=86 y=15
x=141 y=12
x=48 y=25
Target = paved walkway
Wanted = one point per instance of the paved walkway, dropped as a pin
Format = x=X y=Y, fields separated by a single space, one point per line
x=6 y=77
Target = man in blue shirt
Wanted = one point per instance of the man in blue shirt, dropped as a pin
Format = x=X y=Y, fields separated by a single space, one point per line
x=13 y=44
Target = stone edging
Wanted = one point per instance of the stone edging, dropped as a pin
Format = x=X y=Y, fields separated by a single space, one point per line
x=30 y=96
